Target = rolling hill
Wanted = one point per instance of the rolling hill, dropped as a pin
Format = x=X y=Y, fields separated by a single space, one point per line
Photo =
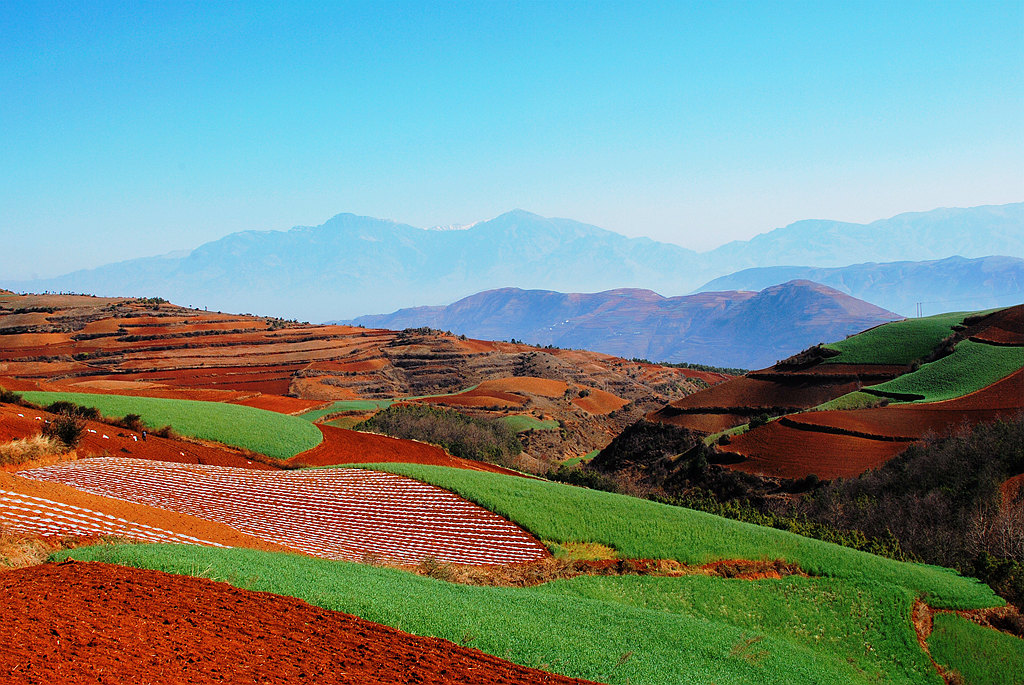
x=729 y=329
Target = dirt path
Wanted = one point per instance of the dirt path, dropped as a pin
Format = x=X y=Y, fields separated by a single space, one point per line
x=76 y=622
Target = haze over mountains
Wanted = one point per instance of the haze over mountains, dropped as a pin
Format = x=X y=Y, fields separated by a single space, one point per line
x=733 y=329
x=352 y=265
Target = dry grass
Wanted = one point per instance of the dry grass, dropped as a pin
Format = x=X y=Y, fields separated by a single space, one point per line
x=19 y=550
x=23 y=450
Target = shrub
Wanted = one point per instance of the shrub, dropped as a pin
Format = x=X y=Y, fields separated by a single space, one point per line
x=25 y=449
x=66 y=428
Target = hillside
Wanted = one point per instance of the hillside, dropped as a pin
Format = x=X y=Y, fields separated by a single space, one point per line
x=80 y=344
x=729 y=329
x=350 y=264
x=939 y=285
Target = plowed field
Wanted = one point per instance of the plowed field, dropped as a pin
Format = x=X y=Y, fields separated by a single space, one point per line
x=76 y=623
x=335 y=513
x=341 y=446
x=785 y=452
x=599 y=402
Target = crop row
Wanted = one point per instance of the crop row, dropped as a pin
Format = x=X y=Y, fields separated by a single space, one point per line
x=338 y=514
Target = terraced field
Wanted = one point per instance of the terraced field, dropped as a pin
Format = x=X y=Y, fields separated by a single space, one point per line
x=337 y=514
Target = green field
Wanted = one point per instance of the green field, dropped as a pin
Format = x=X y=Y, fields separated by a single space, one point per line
x=583 y=458
x=520 y=423
x=638 y=528
x=616 y=630
x=367 y=405
x=971 y=367
x=982 y=656
x=899 y=342
x=266 y=432
x=851 y=400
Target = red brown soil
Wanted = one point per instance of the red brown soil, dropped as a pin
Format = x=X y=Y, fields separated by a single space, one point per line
x=95 y=623
x=865 y=372
x=545 y=387
x=1012 y=489
x=119 y=442
x=478 y=397
x=184 y=524
x=754 y=393
x=279 y=404
x=779 y=450
x=599 y=402
x=341 y=446
x=1002 y=328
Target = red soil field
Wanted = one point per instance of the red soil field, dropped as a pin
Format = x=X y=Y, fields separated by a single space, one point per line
x=332 y=513
x=599 y=402
x=341 y=446
x=754 y=393
x=358 y=366
x=873 y=372
x=785 y=452
x=706 y=422
x=1012 y=488
x=76 y=623
x=282 y=405
x=1003 y=328
x=527 y=384
x=478 y=398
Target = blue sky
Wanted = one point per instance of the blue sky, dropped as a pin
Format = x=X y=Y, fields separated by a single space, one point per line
x=132 y=130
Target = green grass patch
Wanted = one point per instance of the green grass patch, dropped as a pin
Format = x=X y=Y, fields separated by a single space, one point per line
x=623 y=630
x=521 y=422
x=640 y=528
x=982 y=656
x=899 y=342
x=851 y=400
x=582 y=459
x=276 y=435
x=971 y=367
x=346 y=422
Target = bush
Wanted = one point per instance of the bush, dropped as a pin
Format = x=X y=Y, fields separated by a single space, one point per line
x=66 y=428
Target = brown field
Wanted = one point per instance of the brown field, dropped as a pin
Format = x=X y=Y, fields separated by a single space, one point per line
x=78 y=623
x=784 y=452
x=545 y=387
x=599 y=402
x=282 y=405
x=1002 y=328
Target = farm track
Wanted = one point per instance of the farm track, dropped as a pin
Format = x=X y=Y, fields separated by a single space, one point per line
x=76 y=623
x=349 y=514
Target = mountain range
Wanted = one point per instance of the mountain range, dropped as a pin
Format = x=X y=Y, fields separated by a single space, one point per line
x=730 y=329
x=950 y=284
x=351 y=264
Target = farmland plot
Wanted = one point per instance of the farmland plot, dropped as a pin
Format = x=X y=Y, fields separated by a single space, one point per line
x=351 y=514
x=28 y=514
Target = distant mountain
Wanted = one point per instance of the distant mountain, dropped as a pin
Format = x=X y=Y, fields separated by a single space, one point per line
x=353 y=264
x=940 y=285
x=737 y=329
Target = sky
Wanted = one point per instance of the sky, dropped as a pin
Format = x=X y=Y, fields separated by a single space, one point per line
x=131 y=130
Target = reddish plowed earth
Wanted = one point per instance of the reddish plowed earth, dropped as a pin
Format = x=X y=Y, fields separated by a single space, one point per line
x=1003 y=328
x=754 y=393
x=874 y=372
x=478 y=398
x=76 y=623
x=282 y=405
x=1012 y=488
x=331 y=513
x=599 y=402
x=142 y=389
x=101 y=439
x=341 y=446
x=706 y=423
x=527 y=384
x=785 y=452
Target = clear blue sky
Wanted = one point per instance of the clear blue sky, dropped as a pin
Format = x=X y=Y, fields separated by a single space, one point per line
x=132 y=130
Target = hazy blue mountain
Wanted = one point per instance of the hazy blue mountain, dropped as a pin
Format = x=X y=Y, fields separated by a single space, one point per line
x=739 y=329
x=940 y=285
x=351 y=264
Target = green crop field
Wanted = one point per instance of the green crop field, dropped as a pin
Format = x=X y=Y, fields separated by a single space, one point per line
x=583 y=458
x=638 y=528
x=899 y=342
x=367 y=405
x=982 y=656
x=971 y=367
x=851 y=400
x=615 y=630
x=276 y=435
x=520 y=423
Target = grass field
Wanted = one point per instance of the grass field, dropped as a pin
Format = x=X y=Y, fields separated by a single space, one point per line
x=851 y=400
x=971 y=367
x=276 y=435
x=520 y=423
x=982 y=656
x=583 y=458
x=899 y=342
x=367 y=405
x=616 y=630
x=639 y=528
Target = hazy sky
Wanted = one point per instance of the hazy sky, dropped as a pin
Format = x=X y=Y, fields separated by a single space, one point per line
x=132 y=130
